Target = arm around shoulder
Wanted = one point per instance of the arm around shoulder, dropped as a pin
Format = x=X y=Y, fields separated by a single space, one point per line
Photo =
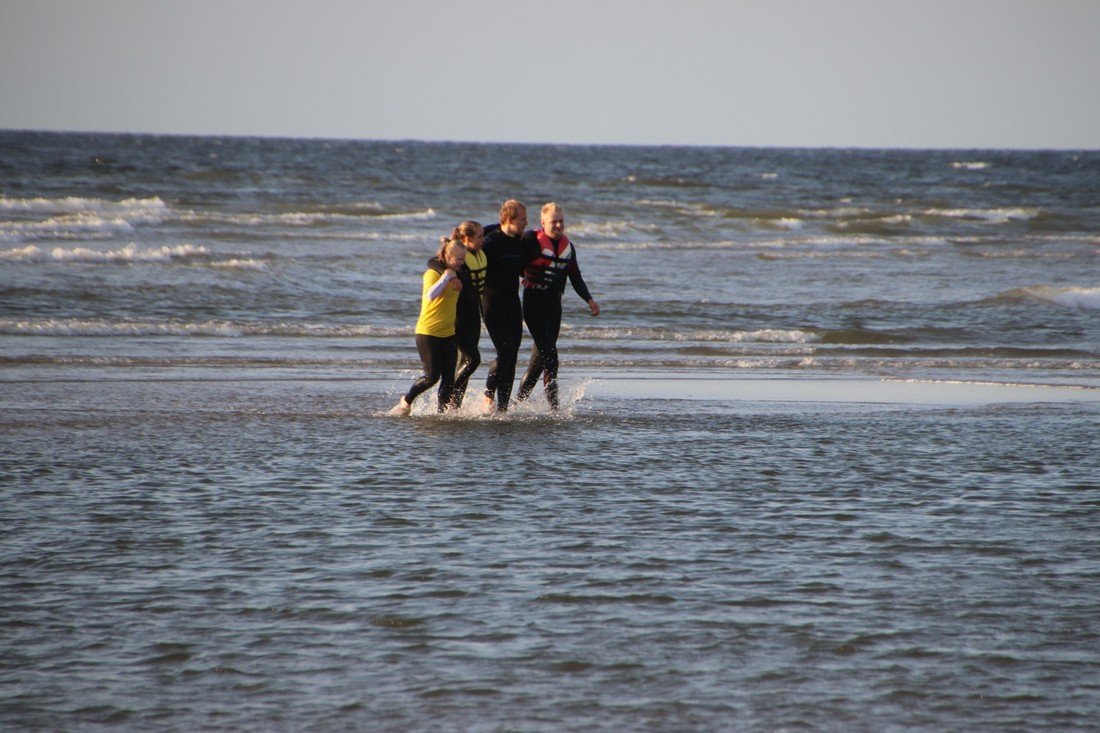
x=441 y=284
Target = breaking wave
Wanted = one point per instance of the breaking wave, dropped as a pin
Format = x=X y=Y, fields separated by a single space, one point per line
x=129 y=253
x=223 y=329
x=991 y=216
x=74 y=217
x=769 y=335
x=1067 y=297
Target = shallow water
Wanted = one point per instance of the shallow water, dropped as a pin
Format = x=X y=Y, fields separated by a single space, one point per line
x=159 y=251
x=827 y=459
x=278 y=555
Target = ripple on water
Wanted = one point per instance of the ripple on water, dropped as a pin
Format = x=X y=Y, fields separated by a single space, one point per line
x=661 y=581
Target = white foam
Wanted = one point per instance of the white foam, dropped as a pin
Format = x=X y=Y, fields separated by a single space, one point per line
x=237 y=264
x=776 y=336
x=135 y=328
x=303 y=218
x=608 y=229
x=897 y=219
x=71 y=226
x=690 y=208
x=129 y=253
x=73 y=217
x=842 y=212
x=826 y=242
x=534 y=408
x=30 y=253
x=822 y=255
x=768 y=335
x=1068 y=297
x=970 y=165
x=146 y=207
x=100 y=327
x=412 y=216
x=993 y=216
x=1020 y=254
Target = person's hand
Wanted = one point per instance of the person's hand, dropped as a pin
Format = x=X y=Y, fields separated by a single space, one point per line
x=456 y=285
x=594 y=307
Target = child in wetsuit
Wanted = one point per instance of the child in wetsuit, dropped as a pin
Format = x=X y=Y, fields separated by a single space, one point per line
x=468 y=316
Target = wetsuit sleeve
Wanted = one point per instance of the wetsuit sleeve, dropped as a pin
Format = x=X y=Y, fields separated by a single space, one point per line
x=490 y=249
x=531 y=250
x=529 y=245
x=576 y=280
x=440 y=285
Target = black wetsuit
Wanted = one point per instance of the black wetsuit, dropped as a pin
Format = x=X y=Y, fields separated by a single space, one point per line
x=468 y=328
x=500 y=306
x=543 y=284
x=438 y=357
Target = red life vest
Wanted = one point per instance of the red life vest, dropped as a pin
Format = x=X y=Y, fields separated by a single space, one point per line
x=550 y=268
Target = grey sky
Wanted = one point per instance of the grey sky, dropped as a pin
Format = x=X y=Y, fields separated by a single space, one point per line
x=867 y=73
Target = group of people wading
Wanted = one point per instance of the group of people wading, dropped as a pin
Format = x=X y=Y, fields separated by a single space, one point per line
x=475 y=276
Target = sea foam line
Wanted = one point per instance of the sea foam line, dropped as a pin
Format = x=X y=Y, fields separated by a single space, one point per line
x=1067 y=297
x=76 y=204
x=305 y=218
x=970 y=165
x=129 y=253
x=72 y=226
x=74 y=217
x=225 y=329
x=765 y=335
x=992 y=216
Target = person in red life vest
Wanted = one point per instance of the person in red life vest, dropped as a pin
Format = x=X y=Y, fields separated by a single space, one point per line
x=435 y=329
x=500 y=304
x=551 y=259
x=468 y=314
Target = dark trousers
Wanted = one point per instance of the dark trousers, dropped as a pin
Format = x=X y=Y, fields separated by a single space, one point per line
x=438 y=355
x=467 y=334
x=504 y=322
x=542 y=313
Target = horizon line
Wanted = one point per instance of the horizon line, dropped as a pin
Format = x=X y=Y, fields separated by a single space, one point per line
x=415 y=140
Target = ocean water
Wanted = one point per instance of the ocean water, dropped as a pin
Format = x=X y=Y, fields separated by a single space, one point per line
x=827 y=459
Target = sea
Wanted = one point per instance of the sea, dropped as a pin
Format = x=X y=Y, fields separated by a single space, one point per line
x=827 y=460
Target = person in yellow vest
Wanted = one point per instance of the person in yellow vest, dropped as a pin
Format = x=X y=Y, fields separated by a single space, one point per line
x=468 y=318
x=435 y=329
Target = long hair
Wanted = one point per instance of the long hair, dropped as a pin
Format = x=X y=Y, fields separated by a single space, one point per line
x=449 y=245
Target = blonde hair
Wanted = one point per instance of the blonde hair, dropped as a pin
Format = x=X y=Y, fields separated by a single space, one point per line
x=510 y=210
x=549 y=208
x=452 y=247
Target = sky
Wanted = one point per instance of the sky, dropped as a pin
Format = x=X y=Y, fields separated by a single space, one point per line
x=789 y=73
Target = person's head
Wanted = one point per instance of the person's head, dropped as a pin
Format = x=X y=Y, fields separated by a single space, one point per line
x=452 y=252
x=553 y=222
x=470 y=233
x=513 y=217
